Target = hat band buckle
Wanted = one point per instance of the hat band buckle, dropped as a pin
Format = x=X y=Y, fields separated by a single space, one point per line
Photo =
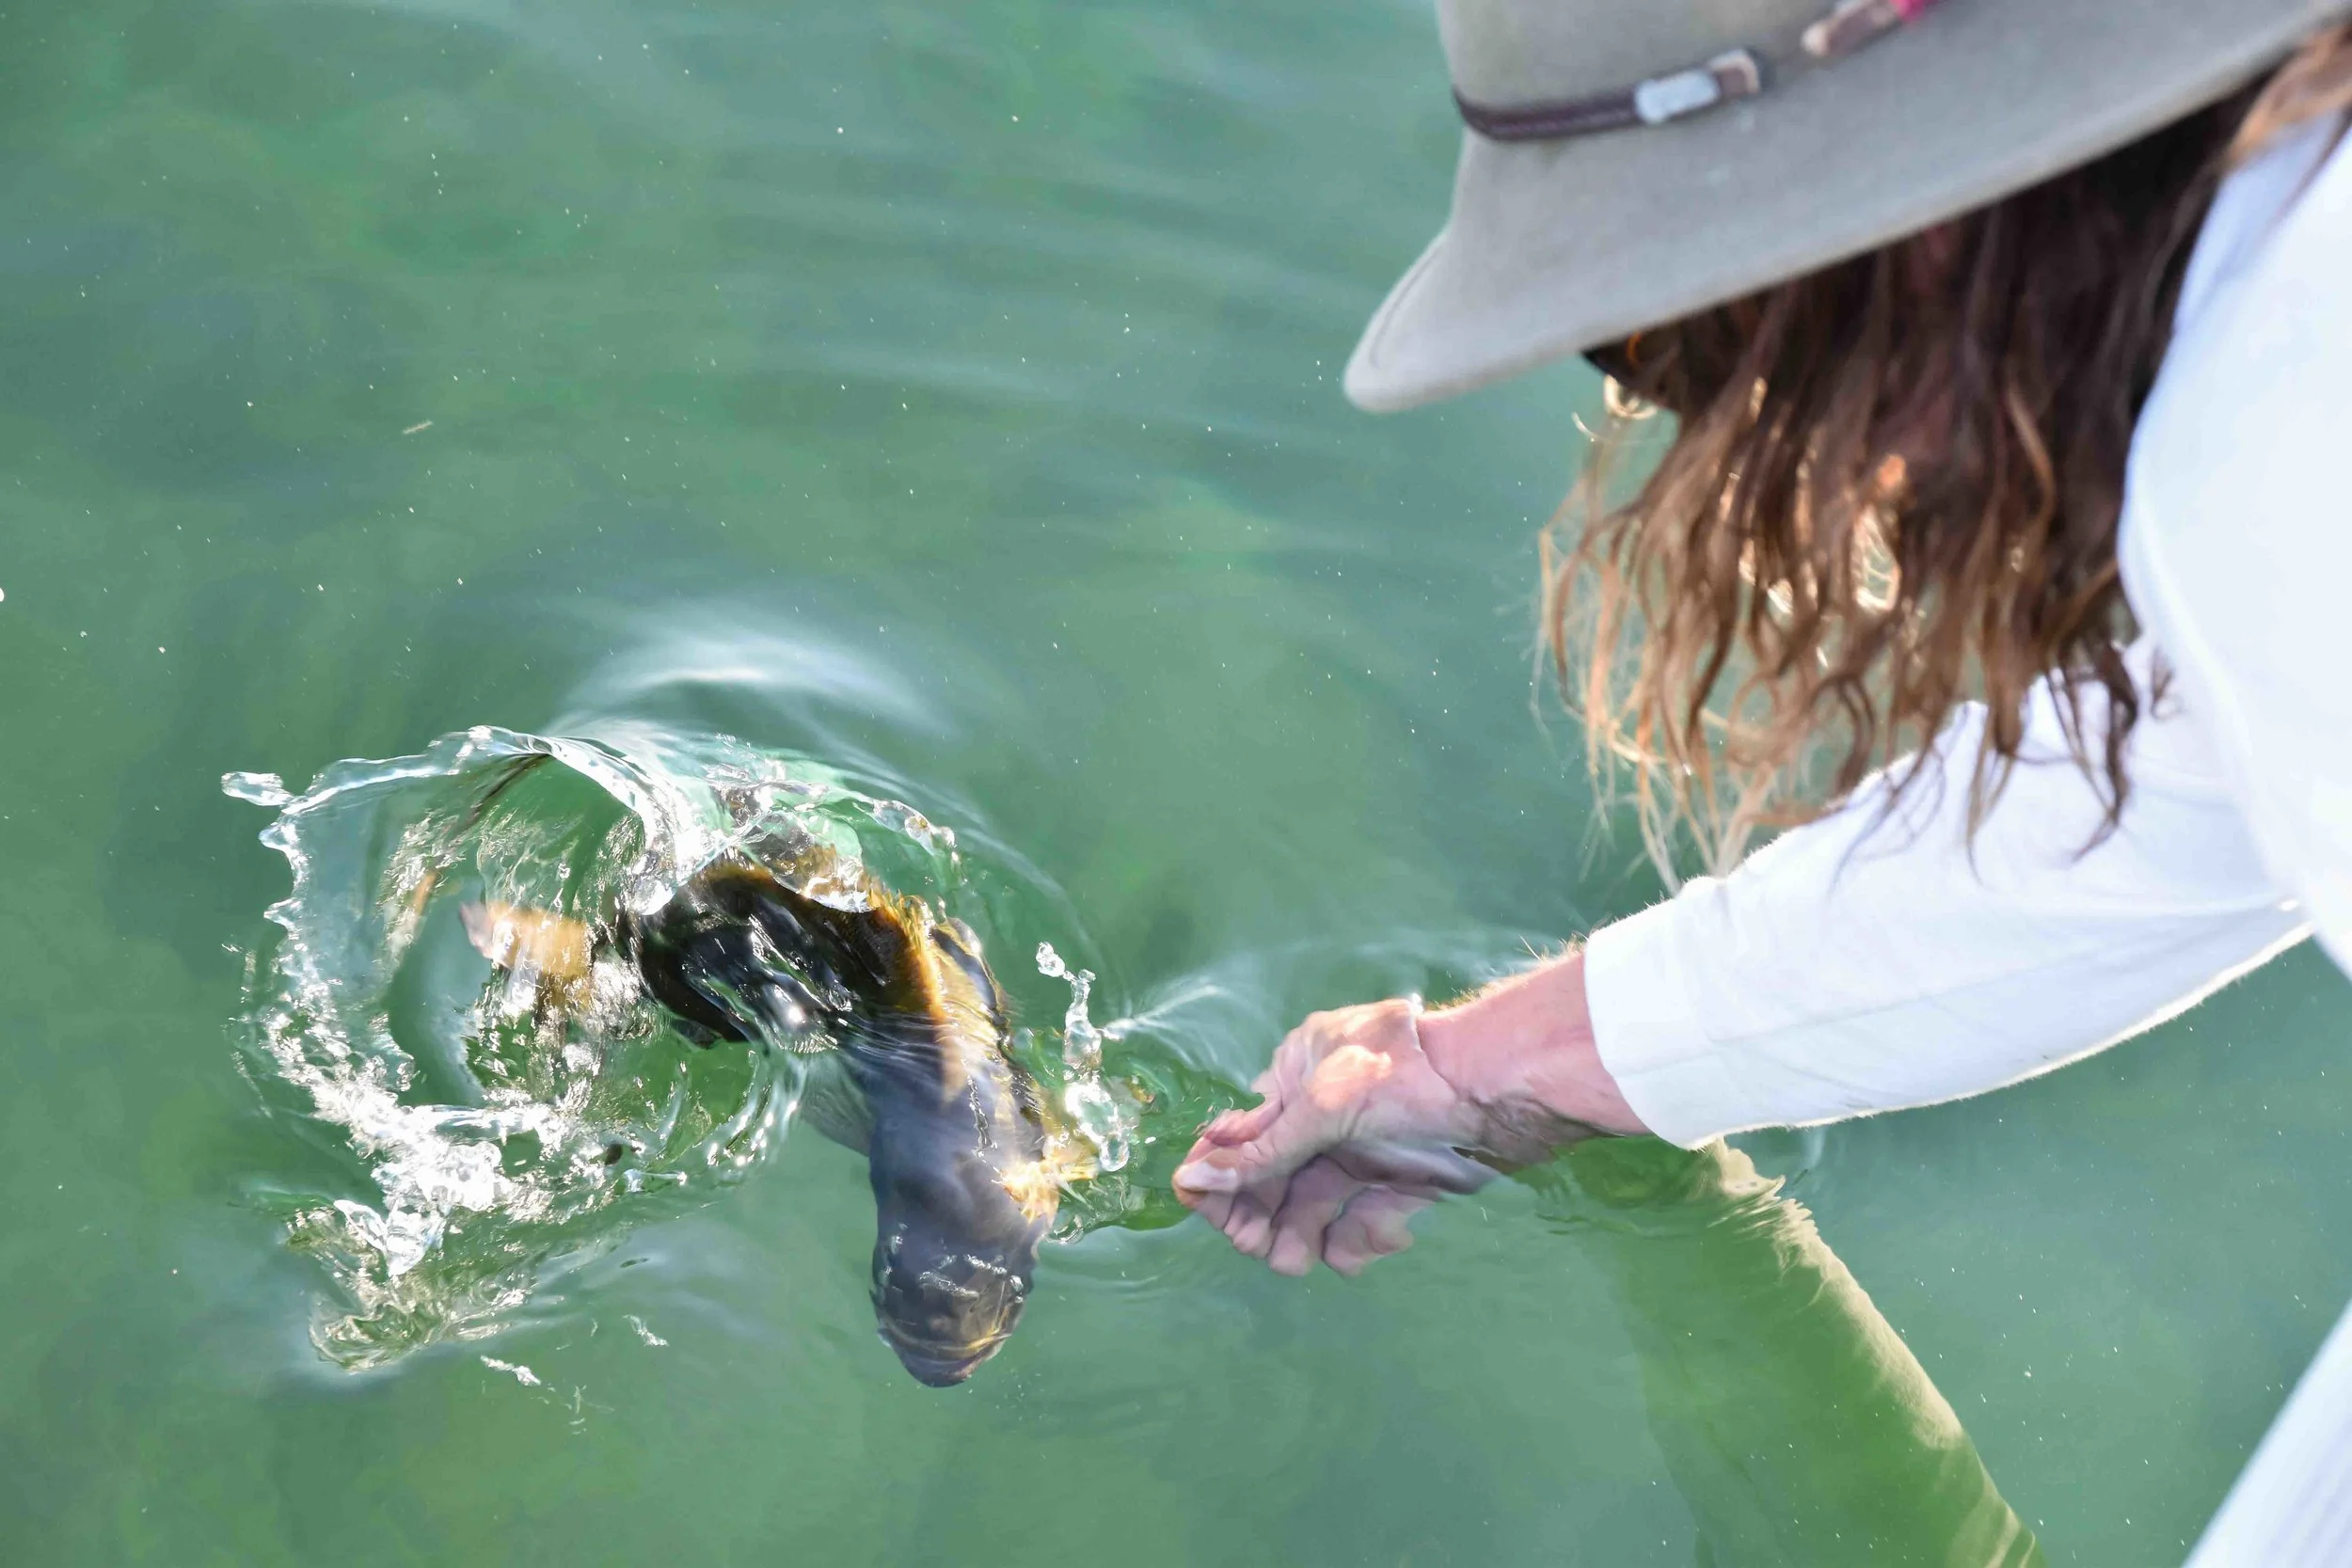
x=1735 y=75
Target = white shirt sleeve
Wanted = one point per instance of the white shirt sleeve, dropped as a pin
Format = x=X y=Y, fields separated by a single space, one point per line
x=1856 y=965
x=1868 y=962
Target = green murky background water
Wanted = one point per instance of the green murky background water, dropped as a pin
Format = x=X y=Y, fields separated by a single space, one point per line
x=973 y=367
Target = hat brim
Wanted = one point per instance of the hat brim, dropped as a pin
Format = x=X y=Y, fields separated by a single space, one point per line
x=1553 y=247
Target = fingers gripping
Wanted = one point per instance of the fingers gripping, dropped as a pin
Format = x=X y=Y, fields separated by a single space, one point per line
x=1315 y=1196
x=1352 y=1137
x=1373 y=1226
x=1249 y=1225
x=1259 y=1149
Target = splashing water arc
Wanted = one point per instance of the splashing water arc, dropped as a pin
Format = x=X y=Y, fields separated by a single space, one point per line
x=480 y=1138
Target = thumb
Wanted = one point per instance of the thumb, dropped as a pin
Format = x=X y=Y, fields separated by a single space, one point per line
x=1193 y=1182
x=1264 y=1148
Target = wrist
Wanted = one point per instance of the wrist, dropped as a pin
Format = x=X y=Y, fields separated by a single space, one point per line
x=1522 y=1053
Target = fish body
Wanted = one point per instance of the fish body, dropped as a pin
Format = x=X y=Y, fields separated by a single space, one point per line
x=951 y=1125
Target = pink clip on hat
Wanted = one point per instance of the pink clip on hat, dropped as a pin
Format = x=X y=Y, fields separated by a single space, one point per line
x=1627 y=161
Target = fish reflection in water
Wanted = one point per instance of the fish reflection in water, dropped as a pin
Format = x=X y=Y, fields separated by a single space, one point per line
x=783 y=945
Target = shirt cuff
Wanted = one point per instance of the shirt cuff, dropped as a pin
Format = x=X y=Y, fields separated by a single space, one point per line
x=1646 y=1027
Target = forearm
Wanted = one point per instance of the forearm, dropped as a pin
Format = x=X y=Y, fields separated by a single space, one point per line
x=1522 y=1049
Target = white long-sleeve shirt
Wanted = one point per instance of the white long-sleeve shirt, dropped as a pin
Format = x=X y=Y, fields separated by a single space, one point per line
x=1858 y=964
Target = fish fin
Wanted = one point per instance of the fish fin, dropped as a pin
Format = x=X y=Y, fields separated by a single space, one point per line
x=554 y=948
x=1037 y=1185
x=832 y=1103
x=962 y=949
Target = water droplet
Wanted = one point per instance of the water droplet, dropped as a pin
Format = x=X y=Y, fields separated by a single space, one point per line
x=263 y=789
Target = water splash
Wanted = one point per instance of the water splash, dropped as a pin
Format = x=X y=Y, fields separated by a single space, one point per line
x=492 y=1127
x=490 y=1123
x=1099 y=1118
x=261 y=789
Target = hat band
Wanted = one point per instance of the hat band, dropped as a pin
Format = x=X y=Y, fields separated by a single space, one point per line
x=1735 y=75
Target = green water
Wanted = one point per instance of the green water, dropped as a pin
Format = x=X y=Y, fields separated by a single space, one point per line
x=955 y=385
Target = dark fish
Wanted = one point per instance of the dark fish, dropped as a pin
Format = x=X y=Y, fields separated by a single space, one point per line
x=917 y=1079
x=951 y=1125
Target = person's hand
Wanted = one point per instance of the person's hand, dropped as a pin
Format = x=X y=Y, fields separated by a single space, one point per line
x=1356 y=1130
x=1369 y=1113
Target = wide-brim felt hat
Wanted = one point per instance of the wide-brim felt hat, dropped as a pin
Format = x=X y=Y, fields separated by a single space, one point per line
x=1636 y=200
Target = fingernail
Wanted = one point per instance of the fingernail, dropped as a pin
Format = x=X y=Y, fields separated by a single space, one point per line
x=1202 y=1177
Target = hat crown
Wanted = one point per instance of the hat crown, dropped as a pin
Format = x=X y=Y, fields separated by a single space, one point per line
x=1532 y=51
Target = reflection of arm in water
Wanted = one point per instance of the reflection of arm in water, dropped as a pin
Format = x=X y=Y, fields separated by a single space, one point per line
x=1797 y=1424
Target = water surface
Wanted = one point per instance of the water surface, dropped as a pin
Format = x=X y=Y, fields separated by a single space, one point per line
x=953 y=387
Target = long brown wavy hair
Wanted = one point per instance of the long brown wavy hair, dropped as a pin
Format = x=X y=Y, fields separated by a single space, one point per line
x=1892 y=487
